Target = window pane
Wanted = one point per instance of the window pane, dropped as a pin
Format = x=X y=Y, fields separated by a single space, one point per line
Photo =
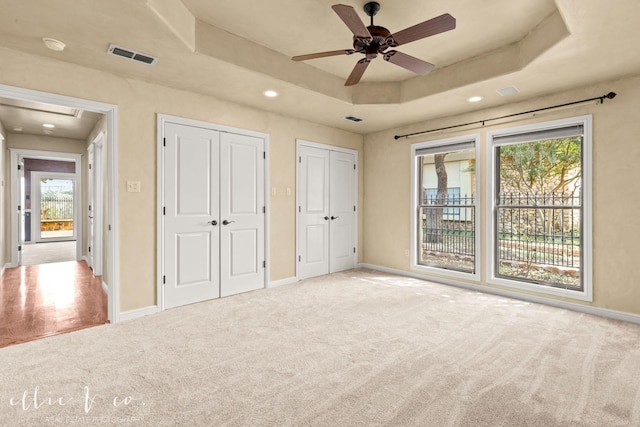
x=539 y=212
x=446 y=211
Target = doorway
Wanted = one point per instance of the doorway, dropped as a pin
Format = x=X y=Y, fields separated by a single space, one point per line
x=327 y=209
x=53 y=199
x=109 y=281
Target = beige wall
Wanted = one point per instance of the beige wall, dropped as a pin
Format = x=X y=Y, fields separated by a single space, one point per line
x=45 y=143
x=138 y=104
x=4 y=180
x=616 y=152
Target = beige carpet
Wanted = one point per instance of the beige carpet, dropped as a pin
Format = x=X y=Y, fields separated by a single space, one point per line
x=45 y=253
x=357 y=348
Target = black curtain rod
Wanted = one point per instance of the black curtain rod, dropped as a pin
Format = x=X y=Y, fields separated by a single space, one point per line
x=610 y=95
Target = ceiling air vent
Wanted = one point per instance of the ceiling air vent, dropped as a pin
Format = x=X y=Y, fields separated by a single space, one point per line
x=353 y=118
x=130 y=54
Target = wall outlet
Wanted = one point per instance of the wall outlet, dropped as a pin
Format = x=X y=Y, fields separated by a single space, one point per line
x=406 y=252
x=133 y=186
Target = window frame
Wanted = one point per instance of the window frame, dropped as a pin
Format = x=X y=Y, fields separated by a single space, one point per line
x=586 y=294
x=415 y=203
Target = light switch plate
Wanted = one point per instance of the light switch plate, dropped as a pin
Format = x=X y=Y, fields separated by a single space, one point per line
x=133 y=186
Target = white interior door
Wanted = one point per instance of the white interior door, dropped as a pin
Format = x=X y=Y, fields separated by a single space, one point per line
x=313 y=211
x=21 y=209
x=95 y=208
x=242 y=212
x=343 y=215
x=90 y=190
x=191 y=220
x=326 y=211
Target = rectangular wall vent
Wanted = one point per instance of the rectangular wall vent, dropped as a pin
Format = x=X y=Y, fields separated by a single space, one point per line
x=353 y=118
x=133 y=55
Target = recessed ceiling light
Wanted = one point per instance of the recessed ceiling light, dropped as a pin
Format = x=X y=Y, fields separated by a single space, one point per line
x=270 y=93
x=475 y=99
x=54 y=44
x=48 y=126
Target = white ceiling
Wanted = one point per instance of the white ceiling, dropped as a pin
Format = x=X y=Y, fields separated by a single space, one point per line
x=237 y=49
x=28 y=117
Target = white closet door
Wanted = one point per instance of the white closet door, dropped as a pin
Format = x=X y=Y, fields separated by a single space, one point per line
x=191 y=220
x=326 y=211
x=313 y=215
x=342 y=206
x=241 y=213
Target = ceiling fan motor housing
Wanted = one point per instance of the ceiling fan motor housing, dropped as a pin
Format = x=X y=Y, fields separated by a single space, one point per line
x=378 y=44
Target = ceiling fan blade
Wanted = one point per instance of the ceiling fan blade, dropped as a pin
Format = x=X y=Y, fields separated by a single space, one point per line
x=408 y=62
x=352 y=20
x=323 y=54
x=434 y=26
x=357 y=72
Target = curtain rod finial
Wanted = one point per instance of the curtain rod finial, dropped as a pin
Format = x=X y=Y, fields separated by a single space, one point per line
x=610 y=95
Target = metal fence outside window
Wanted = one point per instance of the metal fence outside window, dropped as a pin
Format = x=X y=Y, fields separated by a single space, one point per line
x=539 y=228
x=448 y=232
x=56 y=207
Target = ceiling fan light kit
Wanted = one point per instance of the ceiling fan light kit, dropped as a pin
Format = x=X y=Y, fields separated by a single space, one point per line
x=374 y=40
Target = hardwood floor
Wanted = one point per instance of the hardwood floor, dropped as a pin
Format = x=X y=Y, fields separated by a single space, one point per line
x=42 y=300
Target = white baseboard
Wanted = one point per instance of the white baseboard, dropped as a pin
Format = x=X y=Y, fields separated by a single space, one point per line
x=583 y=308
x=282 y=282
x=137 y=313
x=105 y=288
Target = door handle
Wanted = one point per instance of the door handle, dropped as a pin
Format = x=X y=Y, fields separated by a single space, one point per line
x=326 y=218
x=213 y=222
x=334 y=217
x=225 y=222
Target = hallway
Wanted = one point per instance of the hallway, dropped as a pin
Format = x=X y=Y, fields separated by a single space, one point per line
x=48 y=299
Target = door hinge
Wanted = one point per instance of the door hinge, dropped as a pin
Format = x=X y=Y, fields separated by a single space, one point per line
x=89 y=248
x=354 y=250
x=164 y=280
x=354 y=166
x=109 y=227
x=19 y=167
x=89 y=208
x=264 y=264
x=264 y=154
x=19 y=207
x=354 y=208
x=300 y=159
x=19 y=248
x=299 y=208
x=164 y=142
x=264 y=209
x=164 y=210
x=89 y=166
x=299 y=258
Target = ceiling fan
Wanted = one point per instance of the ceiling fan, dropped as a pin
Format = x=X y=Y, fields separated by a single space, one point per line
x=374 y=40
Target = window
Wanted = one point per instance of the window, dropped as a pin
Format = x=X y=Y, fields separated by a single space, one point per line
x=444 y=214
x=541 y=227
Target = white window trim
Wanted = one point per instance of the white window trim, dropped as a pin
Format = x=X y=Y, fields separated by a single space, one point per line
x=415 y=186
x=587 y=293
